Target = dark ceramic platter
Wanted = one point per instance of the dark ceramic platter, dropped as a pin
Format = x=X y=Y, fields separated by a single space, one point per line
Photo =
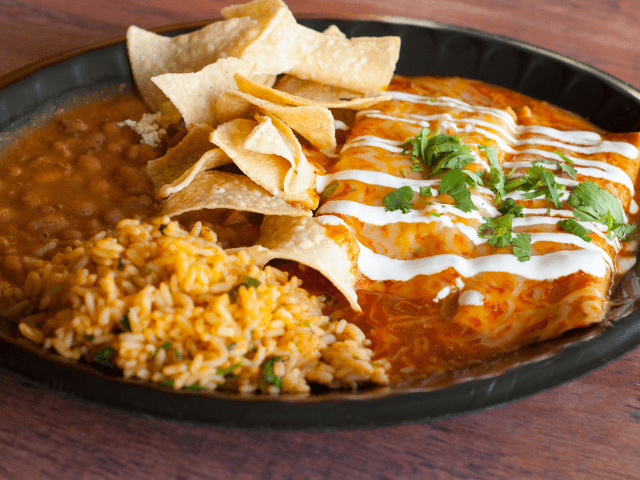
x=427 y=49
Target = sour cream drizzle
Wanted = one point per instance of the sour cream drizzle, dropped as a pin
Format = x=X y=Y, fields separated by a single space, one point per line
x=549 y=266
x=509 y=137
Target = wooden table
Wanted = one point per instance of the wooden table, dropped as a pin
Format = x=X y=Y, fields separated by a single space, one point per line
x=589 y=428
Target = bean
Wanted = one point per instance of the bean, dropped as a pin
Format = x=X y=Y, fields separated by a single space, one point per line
x=98 y=185
x=30 y=200
x=13 y=269
x=112 y=216
x=7 y=214
x=51 y=222
x=65 y=147
x=82 y=208
x=40 y=162
x=114 y=147
x=88 y=163
x=110 y=128
x=13 y=171
x=140 y=154
x=131 y=180
x=132 y=201
x=93 y=140
x=48 y=176
x=93 y=227
x=70 y=234
x=73 y=126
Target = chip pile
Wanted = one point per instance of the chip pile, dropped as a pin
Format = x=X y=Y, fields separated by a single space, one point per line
x=219 y=81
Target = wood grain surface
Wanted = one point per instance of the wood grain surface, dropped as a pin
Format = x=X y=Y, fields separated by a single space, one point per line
x=589 y=428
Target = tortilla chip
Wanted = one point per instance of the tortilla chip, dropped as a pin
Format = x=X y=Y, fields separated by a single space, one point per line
x=209 y=160
x=314 y=90
x=180 y=158
x=151 y=54
x=274 y=136
x=363 y=64
x=214 y=189
x=267 y=170
x=195 y=94
x=334 y=31
x=272 y=50
x=246 y=85
x=229 y=107
x=315 y=123
x=306 y=241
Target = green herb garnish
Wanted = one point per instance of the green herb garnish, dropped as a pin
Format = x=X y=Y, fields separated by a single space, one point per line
x=522 y=247
x=399 y=199
x=195 y=386
x=55 y=289
x=592 y=203
x=126 y=322
x=167 y=382
x=103 y=357
x=121 y=264
x=268 y=377
x=162 y=227
x=454 y=183
x=571 y=226
x=228 y=370
x=250 y=282
x=329 y=190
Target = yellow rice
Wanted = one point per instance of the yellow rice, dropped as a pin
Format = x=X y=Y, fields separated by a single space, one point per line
x=170 y=306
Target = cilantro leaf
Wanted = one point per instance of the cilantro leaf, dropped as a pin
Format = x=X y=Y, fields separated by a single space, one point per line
x=497 y=178
x=571 y=226
x=539 y=182
x=566 y=167
x=592 y=203
x=250 y=282
x=497 y=230
x=522 y=247
x=399 y=199
x=103 y=357
x=126 y=322
x=509 y=207
x=453 y=182
x=425 y=191
x=329 y=190
x=440 y=151
x=228 y=370
x=268 y=377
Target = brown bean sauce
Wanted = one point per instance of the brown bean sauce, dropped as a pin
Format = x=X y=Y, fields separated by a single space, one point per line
x=78 y=174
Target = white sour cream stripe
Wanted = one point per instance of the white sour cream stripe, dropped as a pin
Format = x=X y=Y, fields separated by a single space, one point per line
x=379 y=216
x=541 y=267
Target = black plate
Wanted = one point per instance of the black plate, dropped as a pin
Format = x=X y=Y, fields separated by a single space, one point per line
x=427 y=49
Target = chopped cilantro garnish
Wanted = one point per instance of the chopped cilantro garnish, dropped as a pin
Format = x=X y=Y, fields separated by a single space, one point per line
x=167 y=382
x=162 y=227
x=228 y=370
x=509 y=207
x=55 y=289
x=121 y=264
x=126 y=322
x=497 y=230
x=329 y=190
x=522 y=247
x=103 y=357
x=440 y=151
x=88 y=337
x=399 y=199
x=571 y=226
x=195 y=386
x=496 y=178
x=592 y=203
x=231 y=345
x=565 y=167
x=415 y=252
x=306 y=323
x=454 y=183
x=268 y=377
x=435 y=214
x=250 y=282
x=425 y=191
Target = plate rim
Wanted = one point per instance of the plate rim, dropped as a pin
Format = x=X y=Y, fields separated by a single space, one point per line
x=27 y=70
